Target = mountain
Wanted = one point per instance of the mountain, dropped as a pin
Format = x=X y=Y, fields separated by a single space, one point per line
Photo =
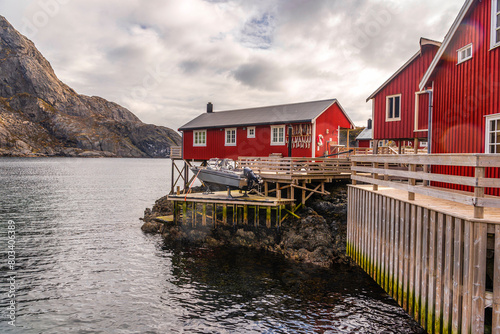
x=42 y=116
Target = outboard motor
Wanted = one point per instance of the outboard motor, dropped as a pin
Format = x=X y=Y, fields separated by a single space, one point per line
x=253 y=180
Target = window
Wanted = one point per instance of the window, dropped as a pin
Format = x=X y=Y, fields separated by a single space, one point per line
x=393 y=108
x=200 y=138
x=495 y=23
x=231 y=137
x=278 y=135
x=493 y=134
x=465 y=53
x=251 y=132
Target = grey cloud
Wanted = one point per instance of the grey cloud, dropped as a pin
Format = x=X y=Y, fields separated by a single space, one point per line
x=260 y=75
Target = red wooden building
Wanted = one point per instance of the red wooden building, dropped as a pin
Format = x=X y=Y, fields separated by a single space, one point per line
x=265 y=130
x=465 y=78
x=400 y=109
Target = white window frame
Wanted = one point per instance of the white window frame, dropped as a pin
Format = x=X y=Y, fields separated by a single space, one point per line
x=460 y=53
x=278 y=143
x=488 y=132
x=228 y=143
x=251 y=128
x=199 y=143
x=393 y=119
x=495 y=11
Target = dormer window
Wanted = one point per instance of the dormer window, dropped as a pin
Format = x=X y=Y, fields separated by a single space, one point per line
x=465 y=53
x=495 y=23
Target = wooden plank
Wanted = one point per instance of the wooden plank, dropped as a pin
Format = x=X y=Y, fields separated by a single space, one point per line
x=465 y=180
x=425 y=268
x=370 y=234
x=496 y=285
x=391 y=247
x=447 y=273
x=439 y=294
x=413 y=256
x=402 y=246
x=395 y=247
x=467 y=277
x=378 y=231
x=458 y=268
x=479 y=193
x=418 y=265
x=384 y=242
x=421 y=159
x=479 y=277
x=406 y=250
x=431 y=295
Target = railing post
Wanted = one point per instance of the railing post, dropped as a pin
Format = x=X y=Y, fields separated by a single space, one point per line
x=375 y=176
x=353 y=172
x=386 y=167
x=412 y=182
x=478 y=193
x=426 y=170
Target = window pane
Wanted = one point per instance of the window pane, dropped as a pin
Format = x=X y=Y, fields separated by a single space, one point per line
x=498 y=35
x=498 y=5
x=497 y=139
x=498 y=20
x=497 y=149
x=391 y=108
x=492 y=125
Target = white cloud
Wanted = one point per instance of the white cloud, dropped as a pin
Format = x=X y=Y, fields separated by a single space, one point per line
x=165 y=60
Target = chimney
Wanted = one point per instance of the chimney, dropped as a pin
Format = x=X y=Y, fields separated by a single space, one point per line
x=369 y=123
x=210 y=107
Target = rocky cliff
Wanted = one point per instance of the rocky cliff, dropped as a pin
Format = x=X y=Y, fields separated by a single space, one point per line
x=41 y=116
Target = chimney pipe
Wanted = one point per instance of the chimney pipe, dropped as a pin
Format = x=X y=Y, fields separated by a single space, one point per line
x=210 y=107
x=369 y=123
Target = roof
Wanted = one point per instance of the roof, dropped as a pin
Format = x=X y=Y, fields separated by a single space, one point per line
x=446 y=42
x=366 y=134
x=287 y=113
x=423 y=41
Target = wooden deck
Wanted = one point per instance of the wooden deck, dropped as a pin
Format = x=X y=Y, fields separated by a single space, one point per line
x=435 y=251
x=220 y=197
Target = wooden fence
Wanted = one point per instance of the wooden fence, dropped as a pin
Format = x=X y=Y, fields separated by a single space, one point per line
x=290 y=168
x=385 y=170
x=440 y=264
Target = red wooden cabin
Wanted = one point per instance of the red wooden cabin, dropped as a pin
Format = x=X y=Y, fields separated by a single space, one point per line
x=400 y=109
x=264 y=131
x=465 y=77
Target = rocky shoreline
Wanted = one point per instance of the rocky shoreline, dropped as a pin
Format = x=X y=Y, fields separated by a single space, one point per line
x=318 y=237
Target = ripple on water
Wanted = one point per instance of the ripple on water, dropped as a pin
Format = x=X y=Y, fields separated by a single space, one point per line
x=84 y=266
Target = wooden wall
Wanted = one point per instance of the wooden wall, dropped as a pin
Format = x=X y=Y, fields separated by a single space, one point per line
x=432 y=264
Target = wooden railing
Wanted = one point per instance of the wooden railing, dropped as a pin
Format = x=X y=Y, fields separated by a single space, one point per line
x=296 y=167
x=411 y=173
x=175 y=152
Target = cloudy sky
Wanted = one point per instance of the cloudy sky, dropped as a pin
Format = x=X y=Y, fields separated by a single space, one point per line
x=165 y=59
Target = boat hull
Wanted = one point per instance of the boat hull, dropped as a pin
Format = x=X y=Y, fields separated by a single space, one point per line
x=227 y=178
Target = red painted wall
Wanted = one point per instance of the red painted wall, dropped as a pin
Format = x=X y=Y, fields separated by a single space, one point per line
x=330 y=121
x=465 y=93
x=405 y=83
x=261 y=145
x=364 y=143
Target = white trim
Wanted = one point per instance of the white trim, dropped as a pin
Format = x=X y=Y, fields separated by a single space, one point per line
x=488 y=119
x=493 y=32
x=460 y=57
x=278 y=143
x=248 y=132
x=417 y=108
x=204 y=144
x=225 y=136
x=446 y=43
x=313 y=140
x=393 y=119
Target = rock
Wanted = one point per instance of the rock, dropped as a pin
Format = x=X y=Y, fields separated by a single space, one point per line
x=151 y=227
x=41 y=116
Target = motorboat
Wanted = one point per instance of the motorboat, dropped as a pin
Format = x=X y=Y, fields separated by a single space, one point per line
x=224 y=172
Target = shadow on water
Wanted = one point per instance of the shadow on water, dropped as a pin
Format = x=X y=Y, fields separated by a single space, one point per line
x=259 y=292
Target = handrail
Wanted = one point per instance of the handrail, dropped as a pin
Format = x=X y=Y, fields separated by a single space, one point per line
x=382 y=170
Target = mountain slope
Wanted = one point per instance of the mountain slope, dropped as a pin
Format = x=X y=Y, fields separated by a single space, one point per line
x=42 y=116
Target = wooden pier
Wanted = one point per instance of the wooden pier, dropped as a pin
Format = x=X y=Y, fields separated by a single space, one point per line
x=435 y=251
x=219 y=209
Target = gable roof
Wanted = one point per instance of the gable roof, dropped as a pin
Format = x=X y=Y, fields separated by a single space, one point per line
x=287 y=113
x=446 y=42
x=423 y=41
x=366 y=134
